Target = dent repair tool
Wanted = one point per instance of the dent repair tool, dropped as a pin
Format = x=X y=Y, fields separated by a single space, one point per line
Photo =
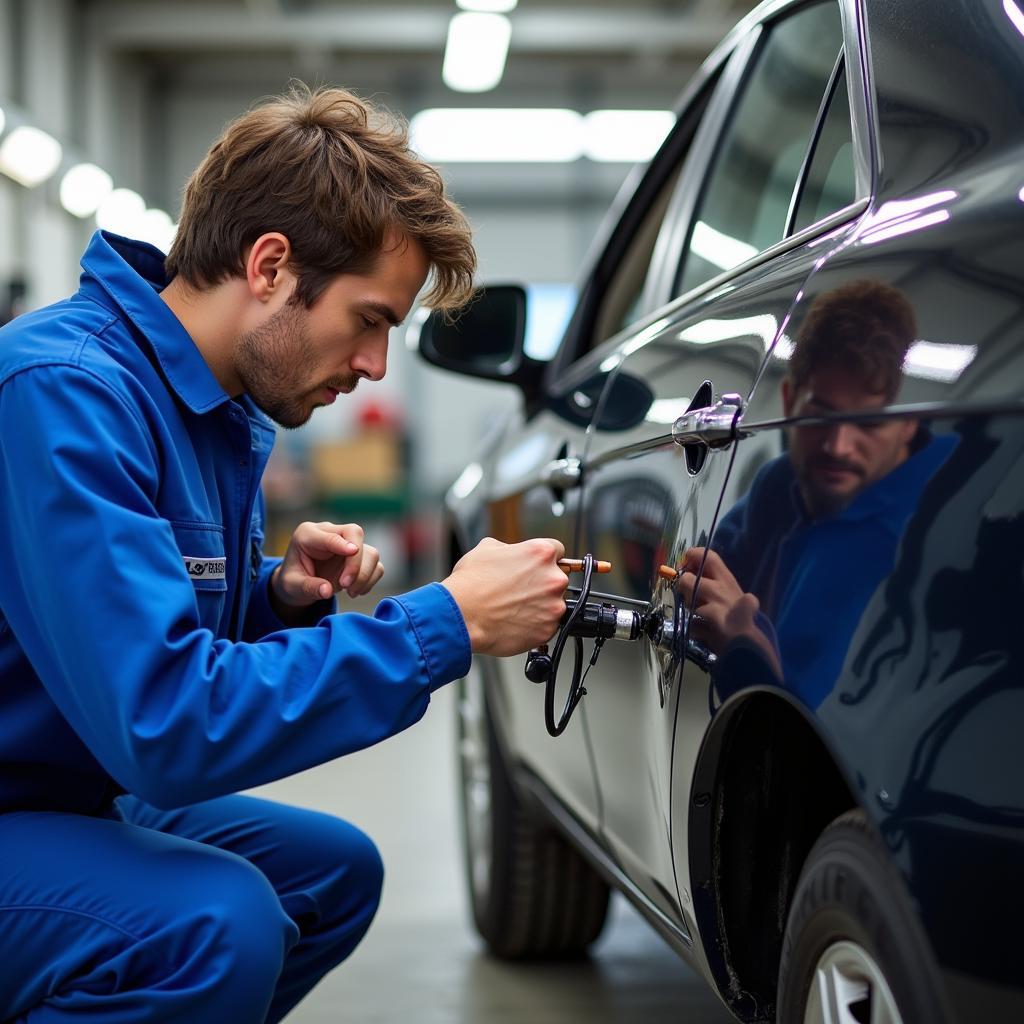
x=576 y=565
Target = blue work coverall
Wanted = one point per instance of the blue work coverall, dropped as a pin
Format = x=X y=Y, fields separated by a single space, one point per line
x=814 y=577
x=144 y=678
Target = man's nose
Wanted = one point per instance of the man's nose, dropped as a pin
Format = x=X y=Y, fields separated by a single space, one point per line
x=372 y=360
x=839 y=440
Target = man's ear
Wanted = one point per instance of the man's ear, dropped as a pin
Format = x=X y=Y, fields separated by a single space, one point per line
x=267 y=267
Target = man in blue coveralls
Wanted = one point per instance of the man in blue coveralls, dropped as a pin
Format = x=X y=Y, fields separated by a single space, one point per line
x=152 y=661
x=794 y=563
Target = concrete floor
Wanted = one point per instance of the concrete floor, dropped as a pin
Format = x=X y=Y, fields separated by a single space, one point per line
x=422 y=963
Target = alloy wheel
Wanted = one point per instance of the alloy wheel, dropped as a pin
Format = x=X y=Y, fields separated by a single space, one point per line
x=848 y=987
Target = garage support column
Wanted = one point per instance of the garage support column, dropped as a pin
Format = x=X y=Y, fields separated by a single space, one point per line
x=51 y=236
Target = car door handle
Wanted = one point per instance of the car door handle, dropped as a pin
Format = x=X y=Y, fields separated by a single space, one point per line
x=712 y=425
x=563 y=474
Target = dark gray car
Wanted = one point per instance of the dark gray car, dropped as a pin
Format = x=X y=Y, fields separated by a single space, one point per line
x=788 y=409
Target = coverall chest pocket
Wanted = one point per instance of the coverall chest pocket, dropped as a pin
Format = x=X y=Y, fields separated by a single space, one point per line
x=255 y=545
x=202 y=552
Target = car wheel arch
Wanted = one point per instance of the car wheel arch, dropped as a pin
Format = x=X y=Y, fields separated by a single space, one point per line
x=764 y=787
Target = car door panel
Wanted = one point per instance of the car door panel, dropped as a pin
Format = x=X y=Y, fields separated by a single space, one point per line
x=644 y=507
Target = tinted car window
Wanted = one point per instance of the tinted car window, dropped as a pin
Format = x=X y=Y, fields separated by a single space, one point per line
x=622 y=292
x=830 y=184
x=746 y=200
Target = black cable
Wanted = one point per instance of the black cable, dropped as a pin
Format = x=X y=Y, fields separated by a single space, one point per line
x=576 y=690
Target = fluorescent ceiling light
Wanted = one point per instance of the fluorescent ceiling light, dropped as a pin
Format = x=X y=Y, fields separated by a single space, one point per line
x=718 y=248
x=83 y=188
x=474 y=56
x=491 y=6
x=29 y=155
x=497 y=135
x=3 y=119
x=121 y=212
x=156 y=227
x=627 y=136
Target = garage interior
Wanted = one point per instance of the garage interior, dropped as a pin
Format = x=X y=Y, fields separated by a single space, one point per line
x=140 y=88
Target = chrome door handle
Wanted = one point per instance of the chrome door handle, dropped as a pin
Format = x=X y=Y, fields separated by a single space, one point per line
x=563 y=474
x=713 y=425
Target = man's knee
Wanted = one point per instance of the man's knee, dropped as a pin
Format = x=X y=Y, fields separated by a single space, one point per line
x=358 y=866
x=233 y=923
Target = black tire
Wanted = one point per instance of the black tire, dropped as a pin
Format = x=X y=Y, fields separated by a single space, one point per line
x=850 y=914
x=532 y=895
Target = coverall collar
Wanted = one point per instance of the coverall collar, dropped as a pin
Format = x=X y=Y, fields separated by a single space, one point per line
x=131 y=274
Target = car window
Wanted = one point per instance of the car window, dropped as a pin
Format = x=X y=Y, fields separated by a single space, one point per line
x=628 y=261
x=747 y=193
x=831 y=182
x=621 y=304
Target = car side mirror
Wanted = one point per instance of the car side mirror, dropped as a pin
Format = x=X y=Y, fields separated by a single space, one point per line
x=484 y=340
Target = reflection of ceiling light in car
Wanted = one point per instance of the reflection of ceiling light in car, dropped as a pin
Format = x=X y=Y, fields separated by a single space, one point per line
x=474 y=55
x=1015 y=14
x=933 y=361
x=468 y=480
x=905 y=227
x=902 y=216
x=29 y=155
x=704 y=332
x=667 y=410
x=718 y=248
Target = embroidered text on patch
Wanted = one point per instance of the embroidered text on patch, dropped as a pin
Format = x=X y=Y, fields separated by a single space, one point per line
x=206 y=568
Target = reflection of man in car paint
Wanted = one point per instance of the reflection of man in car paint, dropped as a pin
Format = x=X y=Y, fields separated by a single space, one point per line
x=793 y=564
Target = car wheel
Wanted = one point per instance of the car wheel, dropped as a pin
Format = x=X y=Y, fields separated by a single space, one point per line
x=532 y=894
x=853 y=952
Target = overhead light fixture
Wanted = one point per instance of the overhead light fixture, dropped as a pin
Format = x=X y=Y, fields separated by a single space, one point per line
x=29 y=155
x=121 y=212
x=83 y=188
x=625 y=136
x=156 y=227
x=3 y=119
x=461 y=135
x=488 y=6
x=474 y=55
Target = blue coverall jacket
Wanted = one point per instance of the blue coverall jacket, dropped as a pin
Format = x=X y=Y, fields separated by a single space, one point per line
x=815 y=577
x=138 y=648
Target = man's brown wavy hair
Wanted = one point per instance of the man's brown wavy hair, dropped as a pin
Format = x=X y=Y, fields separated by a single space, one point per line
x=336 y=177
x=865 y=327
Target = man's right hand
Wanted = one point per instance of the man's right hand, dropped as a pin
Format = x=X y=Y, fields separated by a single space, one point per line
x=511 y=595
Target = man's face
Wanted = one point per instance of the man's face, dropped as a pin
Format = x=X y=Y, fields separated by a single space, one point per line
x=835 y=463
x=299 y=359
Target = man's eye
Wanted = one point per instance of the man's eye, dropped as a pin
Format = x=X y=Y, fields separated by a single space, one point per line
x=368 y=323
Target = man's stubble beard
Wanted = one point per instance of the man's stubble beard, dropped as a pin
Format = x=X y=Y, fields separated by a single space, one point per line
x=274 y=362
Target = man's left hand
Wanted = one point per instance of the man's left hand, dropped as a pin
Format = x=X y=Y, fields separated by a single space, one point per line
x=323 y=559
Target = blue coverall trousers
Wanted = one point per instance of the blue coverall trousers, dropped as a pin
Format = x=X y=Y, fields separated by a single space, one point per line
x=226 y=912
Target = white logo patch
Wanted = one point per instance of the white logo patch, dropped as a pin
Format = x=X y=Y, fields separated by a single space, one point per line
x=206 y=568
